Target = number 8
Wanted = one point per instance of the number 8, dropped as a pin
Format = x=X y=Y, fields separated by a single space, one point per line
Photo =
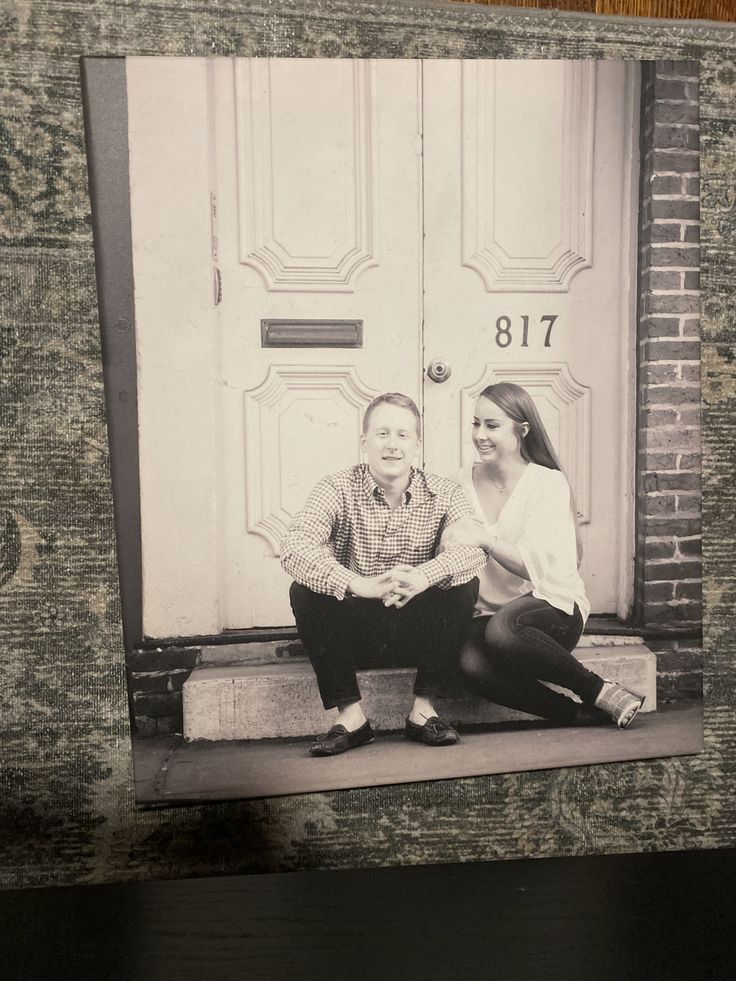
x=503 y=332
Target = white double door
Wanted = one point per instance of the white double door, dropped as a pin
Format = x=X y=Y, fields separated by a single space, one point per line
x=310 y=233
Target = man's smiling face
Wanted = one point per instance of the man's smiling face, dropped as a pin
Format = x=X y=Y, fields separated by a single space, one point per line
x=391 y=443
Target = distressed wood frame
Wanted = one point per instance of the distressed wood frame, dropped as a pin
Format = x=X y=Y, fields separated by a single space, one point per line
x=66 y=792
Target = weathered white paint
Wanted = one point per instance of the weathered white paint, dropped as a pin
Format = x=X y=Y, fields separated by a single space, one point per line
x=400 y=193
x=178 y=373
x=306 y=134
x=331 y=180
x=527 y=185
x=480 y=122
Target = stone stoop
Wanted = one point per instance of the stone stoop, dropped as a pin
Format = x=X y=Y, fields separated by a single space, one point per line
x=244 y=693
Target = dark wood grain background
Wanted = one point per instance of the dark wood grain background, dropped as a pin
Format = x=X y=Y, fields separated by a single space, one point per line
x=665 y=917
x=676 y=9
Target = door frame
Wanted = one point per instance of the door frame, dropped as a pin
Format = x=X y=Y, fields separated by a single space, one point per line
x=629 y=355
x=105 y=111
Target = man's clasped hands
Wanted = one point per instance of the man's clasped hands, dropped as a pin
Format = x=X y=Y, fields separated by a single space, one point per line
x=403 y=582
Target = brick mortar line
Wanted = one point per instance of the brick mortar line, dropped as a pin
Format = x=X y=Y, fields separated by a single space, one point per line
x=670 y=407
x=676 y=557
x=670 y=244
x=680 y=600
x=693 y=492
x=683 y=513
x=681 y=470
x=650 y=156
x=678 y=382
x=668 y=361
x=689 y=494
x=678 y=516
x=659 y=539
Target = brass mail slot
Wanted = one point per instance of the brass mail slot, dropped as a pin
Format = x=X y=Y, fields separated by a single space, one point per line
x=311 y=333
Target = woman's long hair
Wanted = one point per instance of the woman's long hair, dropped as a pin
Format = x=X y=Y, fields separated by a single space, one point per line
x=536 y=446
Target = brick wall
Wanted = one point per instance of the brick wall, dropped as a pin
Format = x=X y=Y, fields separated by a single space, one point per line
x=679 y=670
x=155 y=681
x=668 y=530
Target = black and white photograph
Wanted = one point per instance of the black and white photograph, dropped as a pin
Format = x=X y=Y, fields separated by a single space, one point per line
x=402 y=374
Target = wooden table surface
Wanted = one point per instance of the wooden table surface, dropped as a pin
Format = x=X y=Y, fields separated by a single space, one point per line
x=663 y=917
x=677 y=9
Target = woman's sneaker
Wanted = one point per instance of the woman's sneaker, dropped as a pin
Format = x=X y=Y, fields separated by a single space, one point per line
x=618 y=703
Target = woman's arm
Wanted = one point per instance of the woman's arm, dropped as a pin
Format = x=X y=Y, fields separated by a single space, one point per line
x=508 y=556
x=548 y=543
x=472 y=531
x=547 y=539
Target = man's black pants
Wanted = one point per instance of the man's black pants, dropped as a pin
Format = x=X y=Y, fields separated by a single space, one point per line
x=342 y=636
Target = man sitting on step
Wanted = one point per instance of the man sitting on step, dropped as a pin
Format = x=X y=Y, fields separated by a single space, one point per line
x=371 y=589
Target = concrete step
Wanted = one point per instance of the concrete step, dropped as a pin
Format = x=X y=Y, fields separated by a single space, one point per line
x=291 y=651
x=254 y=653
x=271 y=700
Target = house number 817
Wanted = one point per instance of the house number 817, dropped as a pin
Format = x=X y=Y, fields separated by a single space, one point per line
x=503 y=330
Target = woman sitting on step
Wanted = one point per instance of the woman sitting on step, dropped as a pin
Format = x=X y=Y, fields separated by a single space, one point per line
x=531 y=607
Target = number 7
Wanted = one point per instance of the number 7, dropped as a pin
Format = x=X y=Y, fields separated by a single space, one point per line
x=551 y=317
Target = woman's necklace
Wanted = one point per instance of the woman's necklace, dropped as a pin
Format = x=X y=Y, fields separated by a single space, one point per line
x=502 y=486
x=498 y=484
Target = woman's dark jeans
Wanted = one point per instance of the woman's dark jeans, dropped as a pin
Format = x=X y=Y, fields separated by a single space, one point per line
x=341 y=636
x=507 y=657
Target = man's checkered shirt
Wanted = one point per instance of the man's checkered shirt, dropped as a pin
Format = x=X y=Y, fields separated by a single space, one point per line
x=347 y=528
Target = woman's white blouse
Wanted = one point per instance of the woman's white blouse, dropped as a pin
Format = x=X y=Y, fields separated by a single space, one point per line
x=536 y=518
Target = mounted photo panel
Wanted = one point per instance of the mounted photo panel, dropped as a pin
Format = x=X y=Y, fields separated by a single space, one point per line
x=531 y=222
x=289 y=220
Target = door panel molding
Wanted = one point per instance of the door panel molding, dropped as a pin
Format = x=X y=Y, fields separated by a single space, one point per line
x=546 y=239
x=318 y=175
x=303 y=233
x=290 y=413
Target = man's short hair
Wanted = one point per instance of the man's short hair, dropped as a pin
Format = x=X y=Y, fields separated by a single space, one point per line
x=393 y=398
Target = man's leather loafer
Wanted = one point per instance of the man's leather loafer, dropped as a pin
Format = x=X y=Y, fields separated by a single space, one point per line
x=434 y=732
x=339 y=739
